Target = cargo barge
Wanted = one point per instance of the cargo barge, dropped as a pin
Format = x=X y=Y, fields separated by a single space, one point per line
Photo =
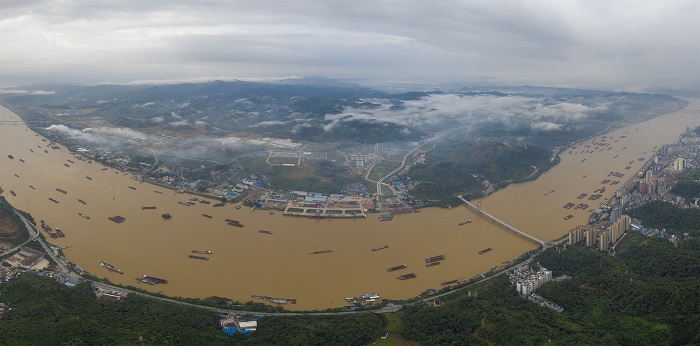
x=199 y=257
x=53 y=200
x=321 y=252
x=432 y=264
x=81 y=201
x=110 y=267
x=117 y=218
x=61 y=191
x=406 y=276
x=445 y=283
x=151 y=280
x=435 y=258
x=202 y=251
x=465 y=222
x=84 y=216
x=204 y=202
x=59 y=233
x=403 y=266
x=485 y=250
x=219 y=205
x=386 y=217
x=148 y=208
x=380 y=248
x=207 y=216
x=88 y=178
x=264 y=232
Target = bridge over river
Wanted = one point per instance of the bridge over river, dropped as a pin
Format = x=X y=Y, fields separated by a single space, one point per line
x=502 y=223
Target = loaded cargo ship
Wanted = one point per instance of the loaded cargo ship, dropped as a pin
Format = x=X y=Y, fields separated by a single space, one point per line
x=148 y=208
x=117 y=218
x=485 y=250
x=465 y=222
x=406 y=276
x=265 y=232
x=435 y=258
x=110 y=267
x=320 y=252
x=61 y=191
x=399 y=267
x=151 y=280
x=202 y=251
x=432 y=264
x=380 y=248
x=199 y=257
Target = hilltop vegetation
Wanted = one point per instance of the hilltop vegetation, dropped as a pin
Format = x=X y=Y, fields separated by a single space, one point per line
x=46 y=312
x=11 y=228
x=627 y=299
x=659 y=214
x=459 y=167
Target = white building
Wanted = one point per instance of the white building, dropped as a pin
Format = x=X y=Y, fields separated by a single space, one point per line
x=679 y=164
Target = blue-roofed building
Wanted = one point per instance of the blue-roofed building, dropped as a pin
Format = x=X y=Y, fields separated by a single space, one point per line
x=230 y=330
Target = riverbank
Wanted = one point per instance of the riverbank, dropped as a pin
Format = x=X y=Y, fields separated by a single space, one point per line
x=245 y=262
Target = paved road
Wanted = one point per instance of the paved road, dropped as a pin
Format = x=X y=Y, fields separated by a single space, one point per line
x=31 y=237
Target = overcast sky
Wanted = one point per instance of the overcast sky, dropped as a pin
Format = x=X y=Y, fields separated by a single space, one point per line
x=546 y=42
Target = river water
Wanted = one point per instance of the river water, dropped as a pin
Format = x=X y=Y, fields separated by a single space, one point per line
x=245 y=262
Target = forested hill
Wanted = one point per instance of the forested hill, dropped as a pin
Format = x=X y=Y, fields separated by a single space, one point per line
x=649 y=294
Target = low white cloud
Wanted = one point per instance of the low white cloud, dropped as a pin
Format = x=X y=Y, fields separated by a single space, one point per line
x=269 y=123
x=452 y=110
x=546 y=126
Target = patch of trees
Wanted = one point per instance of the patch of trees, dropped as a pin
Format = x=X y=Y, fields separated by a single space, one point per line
x=649 y=294
x=658 y=214
x=48 y=313
x=452 y=167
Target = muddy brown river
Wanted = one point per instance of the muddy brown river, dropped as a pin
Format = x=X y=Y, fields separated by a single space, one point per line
x=245 y=262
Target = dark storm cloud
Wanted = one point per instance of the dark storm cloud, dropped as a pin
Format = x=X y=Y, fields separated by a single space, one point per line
x=539 y=41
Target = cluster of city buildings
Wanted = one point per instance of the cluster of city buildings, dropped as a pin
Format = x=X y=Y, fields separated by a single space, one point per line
x=526 y=281
x=602 y=234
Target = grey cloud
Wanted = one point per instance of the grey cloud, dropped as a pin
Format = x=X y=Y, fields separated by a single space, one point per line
x=542 y=41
